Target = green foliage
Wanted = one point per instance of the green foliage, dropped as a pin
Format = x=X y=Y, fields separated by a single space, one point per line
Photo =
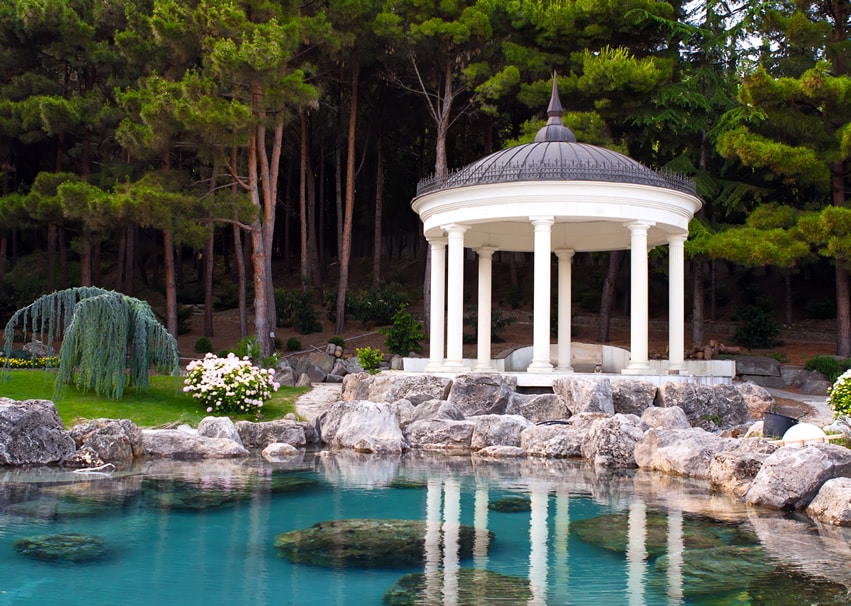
x=203 y=345
x=830 y=366
x=295 y=308
x=338 y=341
x=780 y=356
x=839 y=395
x=248 y=348
x=376 y=305
x=370 y=358
x=106 y=334
x=404 y=336
x=293 y=344
x=759 y=329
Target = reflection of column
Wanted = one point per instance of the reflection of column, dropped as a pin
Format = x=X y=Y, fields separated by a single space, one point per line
x=676 y=304
x=538 y=544
x=561 y=570
x=432 y=540
x=484 y=312
x=455 y=298
x=480 y=522
x=541 y=302
x=638 y=327
x=565 y=261
x=675 y=557
x=636 y=552
x=438 y=303
x=451 y=534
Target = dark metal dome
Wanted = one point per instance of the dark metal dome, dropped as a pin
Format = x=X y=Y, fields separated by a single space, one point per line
x=556 y=156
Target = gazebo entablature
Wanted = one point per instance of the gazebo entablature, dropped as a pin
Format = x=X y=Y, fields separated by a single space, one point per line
x=595 y=200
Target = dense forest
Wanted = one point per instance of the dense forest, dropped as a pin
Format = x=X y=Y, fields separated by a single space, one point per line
x=267 y=151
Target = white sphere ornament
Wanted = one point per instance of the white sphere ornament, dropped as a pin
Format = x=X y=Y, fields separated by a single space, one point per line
x=803 y=433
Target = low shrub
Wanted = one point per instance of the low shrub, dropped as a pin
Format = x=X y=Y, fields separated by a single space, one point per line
x=759 y=329
x=296 y=308
x=404 y=336
x=840 y=395
x=203 y=345
x=293 y=344
x=830 y=366
x=370 y=359
x=230 y=384
x=338 y=341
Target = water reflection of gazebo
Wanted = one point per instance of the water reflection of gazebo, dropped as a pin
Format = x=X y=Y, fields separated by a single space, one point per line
x=552 y=196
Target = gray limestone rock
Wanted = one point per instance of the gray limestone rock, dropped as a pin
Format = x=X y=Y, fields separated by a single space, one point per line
x=219 y=427
x=632 y=397
x=710 y=407
x=500 y=452
x=279 y=451
x=441 y=435
x=482 y=393
x=114 y=440
x=177 y=444
x=31 y=433
x=497 y=430
x=757 y=399
x=791 y=477
x=585 y=395
x=815 y=387
x=362 y=425
x=260 y=435
x=610 y=442
x=537 y=407
x=832 y=504
x=392 y=386
x=685 y=452
x=757 y=365
x=673 y=417
x=733 y=470
x=556 y=441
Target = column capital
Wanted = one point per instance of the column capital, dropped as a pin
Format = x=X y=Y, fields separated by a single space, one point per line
x=677 y=239
x=564 y=253
x=437 y=242
x=486 y=251
x=541 y=220
x=454 y=228
x=639 y=226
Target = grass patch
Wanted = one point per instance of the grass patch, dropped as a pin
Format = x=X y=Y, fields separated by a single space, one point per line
x=164 y=401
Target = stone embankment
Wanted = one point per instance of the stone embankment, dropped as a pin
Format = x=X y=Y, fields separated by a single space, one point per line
x=685 y=429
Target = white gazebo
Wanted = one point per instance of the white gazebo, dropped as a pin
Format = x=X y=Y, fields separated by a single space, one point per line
x=552 y=196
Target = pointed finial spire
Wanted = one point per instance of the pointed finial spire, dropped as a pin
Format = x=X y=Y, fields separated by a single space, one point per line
x=555 y=130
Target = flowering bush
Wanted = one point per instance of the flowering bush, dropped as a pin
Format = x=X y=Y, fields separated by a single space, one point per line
x=229 y=384
x=12 y=362
x=840 y=394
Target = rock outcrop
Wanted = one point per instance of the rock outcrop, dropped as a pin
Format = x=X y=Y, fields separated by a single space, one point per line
x=116 y=441
x=362 y=425
x=485 y=393
x=179 y=444
x=685 y=452
x=585 y=395
x=31 y=433
x=832 y=504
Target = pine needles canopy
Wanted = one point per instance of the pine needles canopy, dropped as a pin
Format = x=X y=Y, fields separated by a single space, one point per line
x=109 y=340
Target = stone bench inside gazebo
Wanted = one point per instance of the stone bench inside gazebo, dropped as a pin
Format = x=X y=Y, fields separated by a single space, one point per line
x=555 y=198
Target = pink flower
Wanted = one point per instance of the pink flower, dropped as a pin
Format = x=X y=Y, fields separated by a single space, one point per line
x=209 y=409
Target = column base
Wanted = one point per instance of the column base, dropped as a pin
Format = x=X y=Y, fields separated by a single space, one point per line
x=564 y=369
x=434 y=366
x=636 y=369
x=539 y=367
x=483 y=367
x=453 y=366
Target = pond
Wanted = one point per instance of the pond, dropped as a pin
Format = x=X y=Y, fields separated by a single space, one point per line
x=415 y=529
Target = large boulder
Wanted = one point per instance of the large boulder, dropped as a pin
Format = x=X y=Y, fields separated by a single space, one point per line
x=430 y=409
x=393 y=386
x=657 y=417
x=315 y=365
x=758 y=366
x=444 y=435
x=31 y=433
x=482 y=393
x=710 y=407
x=757 y=399
x=114 y=441
x=362 y=425
x=685 y=452
x=537 y=407
x=610 y=442
x=585 y=395
x=632 y=397
x=561 y=439
x=219 y=427
x=733 y=470
x=497 y=430
x=260 y=435
x=179 y=444
x=832 y=504
x=791 y=477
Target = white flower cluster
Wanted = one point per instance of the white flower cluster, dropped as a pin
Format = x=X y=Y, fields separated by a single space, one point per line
x=229 y=384
x=840 y=394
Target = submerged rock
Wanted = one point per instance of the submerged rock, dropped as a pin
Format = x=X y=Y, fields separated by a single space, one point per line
x=364 y=543
x=181 y=495
x=292 y=482
x=708 y=572
x=70 y=547
x=475 y=586
x=511 y=505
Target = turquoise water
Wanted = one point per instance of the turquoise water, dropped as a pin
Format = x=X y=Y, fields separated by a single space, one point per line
x=167 y=549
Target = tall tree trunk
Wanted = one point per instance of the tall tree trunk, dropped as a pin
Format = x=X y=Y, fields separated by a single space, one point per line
x=302 y=206
x=697 y=316
x=607 y=301
x=170 y=283
x=338 y=187
x=208 y=283
x=312 y=246
x=379 y=203
x=843 y=297
x=346 y=244
x=239 y=257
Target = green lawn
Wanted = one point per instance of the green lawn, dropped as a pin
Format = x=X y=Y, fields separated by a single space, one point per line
x=164 y=402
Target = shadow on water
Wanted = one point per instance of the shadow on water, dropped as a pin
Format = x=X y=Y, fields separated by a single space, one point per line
x=414 y=529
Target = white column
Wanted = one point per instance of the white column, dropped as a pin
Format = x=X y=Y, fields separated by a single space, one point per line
x=676 y=546
x=636 y=553
x=541 y=303
x=438 y=303
x=455 y=299
x=676 y=304
x=451 y=536
x=434 y=494
x=638 y=325
x=565 y=263
x=538 y=552
x=483 y=361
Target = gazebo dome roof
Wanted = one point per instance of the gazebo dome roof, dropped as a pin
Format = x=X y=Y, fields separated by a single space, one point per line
x=556 y=156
